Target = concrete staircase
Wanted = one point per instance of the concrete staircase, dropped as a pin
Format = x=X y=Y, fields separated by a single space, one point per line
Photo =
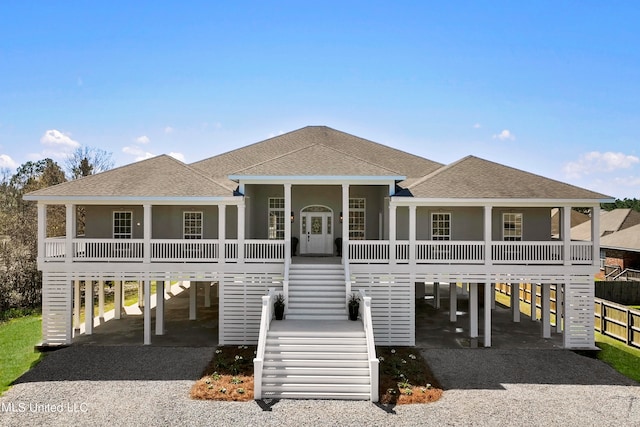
x=307 y=359
x=316 y=292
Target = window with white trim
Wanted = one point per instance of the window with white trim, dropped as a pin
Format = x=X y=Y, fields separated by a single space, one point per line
x=192 y=225
x=512 y=227
x=122 y=224
x=357 y=215
x=276 y=218
x=440 y=226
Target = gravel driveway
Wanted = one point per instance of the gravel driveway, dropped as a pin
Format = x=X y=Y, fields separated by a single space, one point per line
x=138 y=385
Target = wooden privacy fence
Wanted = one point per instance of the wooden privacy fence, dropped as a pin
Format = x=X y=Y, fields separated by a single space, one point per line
x=617 y=321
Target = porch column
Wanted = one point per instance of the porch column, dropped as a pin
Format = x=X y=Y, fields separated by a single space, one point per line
x=76 y=305
x=559 y=307
x=117 y=299
x=42 y=231
x=473 y=310
x=222 y=224
x=515 y=301
x=488 y=258
x=595 y=234
x=146 y=246
x=207 y=294
x=140 y=294
x=147 y=312
x=487 y=314
x=345 y=222
x=546 y=310
x=70 y=232
x=101 y=301
x=88 y=307
x=241 y=220
x=412 y=248
x=453 y=302
x=533 y=296
x=392 y=233
x=287 y=223
x=565 y=230
x=493 y=296
x=159 y=307
x=193 y=291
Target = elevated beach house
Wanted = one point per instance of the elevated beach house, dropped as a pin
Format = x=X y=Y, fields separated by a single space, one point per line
x=382 y=219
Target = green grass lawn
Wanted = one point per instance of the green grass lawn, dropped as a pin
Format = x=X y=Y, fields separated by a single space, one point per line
x=130 y=297
x=17 y=340
x=621 y=357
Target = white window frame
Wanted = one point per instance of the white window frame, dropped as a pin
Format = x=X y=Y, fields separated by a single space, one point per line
x=121 y=234
x=362 y=233
x=512 y=218
x=440 y=236
x=195 y=229
x=275 y=219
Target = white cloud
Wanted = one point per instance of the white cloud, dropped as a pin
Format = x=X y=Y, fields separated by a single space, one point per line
x=477 y=126
x=137 y=152
x=178 y=156
x=595 y=161
x=144 y=139
x=7 y=162
x=505 y=135
x=168 y=129
x=55 y=138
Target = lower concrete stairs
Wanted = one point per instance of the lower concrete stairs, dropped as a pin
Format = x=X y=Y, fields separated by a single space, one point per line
x=317 y=292
x=307 y=359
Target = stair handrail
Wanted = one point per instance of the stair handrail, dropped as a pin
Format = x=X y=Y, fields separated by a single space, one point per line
x=258 y=361
x=285 y=282
x=365 y=314
x=347 y=279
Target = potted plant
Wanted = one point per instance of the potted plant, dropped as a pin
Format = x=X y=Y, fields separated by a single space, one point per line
x=354 y=306
x=278 y=306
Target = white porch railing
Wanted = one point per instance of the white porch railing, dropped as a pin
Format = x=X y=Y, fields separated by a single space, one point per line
x=180 y=250
x=451 y=252
x=365 y=314
x=107 y=249
x=582 y=253
x=55 y=249
x=258 y=361
x=369 y=251
x=264 y=250
x=527 y=252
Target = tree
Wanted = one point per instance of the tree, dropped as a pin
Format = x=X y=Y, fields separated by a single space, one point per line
x=85 y=161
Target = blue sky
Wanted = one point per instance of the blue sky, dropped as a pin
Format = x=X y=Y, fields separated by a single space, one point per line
x=550 y=87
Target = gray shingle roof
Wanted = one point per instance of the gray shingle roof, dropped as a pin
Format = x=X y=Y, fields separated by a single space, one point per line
x=629 y=239
x=610 y=222
x=472 y=177
x=391 y=159
x=161 y=176
x=577 y=218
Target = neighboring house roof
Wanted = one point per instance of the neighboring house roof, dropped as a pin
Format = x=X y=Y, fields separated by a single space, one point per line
x=610 y=222
x=577 y=218
x=627 y=239
x=473 y=177
x=396 y=161
x=161 y=176
x=316 y=160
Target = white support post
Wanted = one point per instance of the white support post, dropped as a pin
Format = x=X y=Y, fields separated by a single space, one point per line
x=42 y=231
x=88 y=307
x=546 y=310
x=147 y=221
x=101 y=301
x=487 y=314
x=595 y=234
x=117 y=299
x=559 y=307
x=193 y=291
x=69 y=232
x=436 y=295
x=76 y=305
x=392 y=233
x=412 y=245
x=147 y=312
x=221 y=324
x=453 y=302
x=345 y=222
x=222 y=226
x=160 y=307
x=241 y=225
x=207 y=294
x=287 y=222
x=473 y=310
x=488 y=258
x=167 y=287
x=493 y=296
x=140 y=295
x=515 y=301
x=534 y=297
x=565 y=230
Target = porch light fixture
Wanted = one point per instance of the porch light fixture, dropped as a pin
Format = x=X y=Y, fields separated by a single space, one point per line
x=340 y=216
x=292 y=217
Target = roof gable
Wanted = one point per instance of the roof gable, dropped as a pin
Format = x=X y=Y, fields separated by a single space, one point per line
x=473 y=177
x=612 y=221
x=161 y=176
